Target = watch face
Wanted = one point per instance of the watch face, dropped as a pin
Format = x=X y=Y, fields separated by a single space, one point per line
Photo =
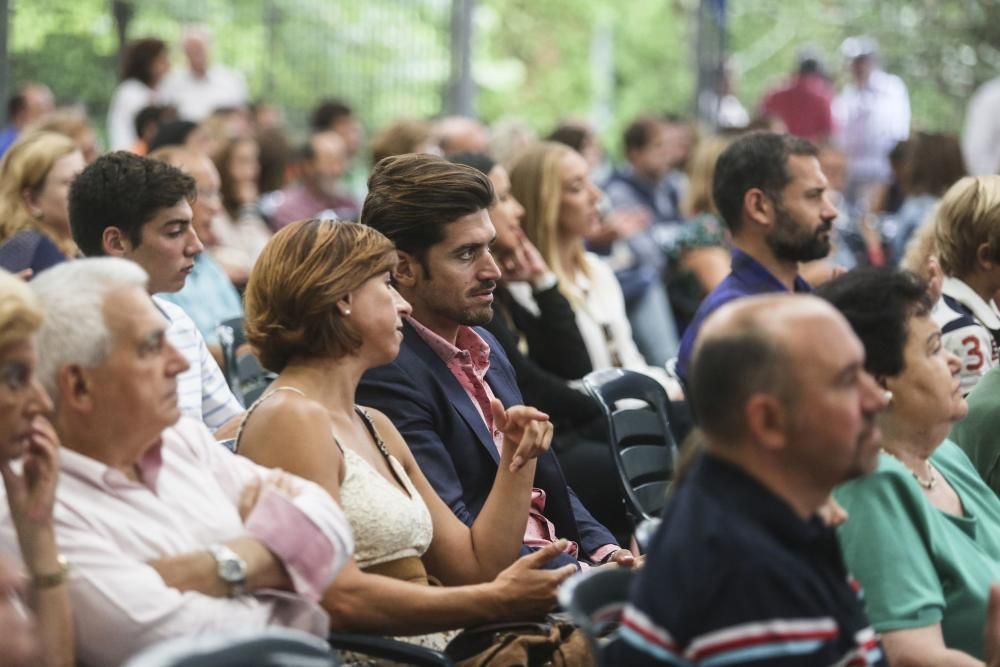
x=232 y=570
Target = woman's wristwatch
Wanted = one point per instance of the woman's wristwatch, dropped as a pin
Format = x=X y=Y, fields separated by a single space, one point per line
x=42 y=581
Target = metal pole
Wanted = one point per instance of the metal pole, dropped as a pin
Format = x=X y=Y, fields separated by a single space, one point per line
x=461 y=89
x=4 y=59
x=710 y=56
x=272 y=17
x=602 y=72
x=122 y=12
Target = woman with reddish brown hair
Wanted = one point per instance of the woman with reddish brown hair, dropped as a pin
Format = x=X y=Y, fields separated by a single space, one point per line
x=320 y=311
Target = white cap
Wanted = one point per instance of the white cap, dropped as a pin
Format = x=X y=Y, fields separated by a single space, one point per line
x=858 y=47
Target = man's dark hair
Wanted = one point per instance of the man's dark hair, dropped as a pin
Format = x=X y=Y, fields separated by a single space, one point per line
x=172 y=133
x=810 y=66
x=878 y=303
x=640 y=132
x=412 y=197
x=756 y=160
x=328 y=113
x=126 y=191
x=932 y=164
x=726 y=371
x=149 y=115
x=480 y=161
x=16 y=104
x=139 y=58
x=574 y=136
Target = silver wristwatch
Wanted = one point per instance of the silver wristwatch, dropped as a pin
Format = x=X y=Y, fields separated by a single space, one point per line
x=231 y=568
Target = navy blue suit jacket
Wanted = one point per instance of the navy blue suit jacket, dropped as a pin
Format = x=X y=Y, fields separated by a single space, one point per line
x=452 y=445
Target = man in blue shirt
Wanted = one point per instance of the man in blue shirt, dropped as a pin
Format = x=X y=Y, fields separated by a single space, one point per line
x=772 y=194
x=742 y=570
x=647 y=183
x=29 y=104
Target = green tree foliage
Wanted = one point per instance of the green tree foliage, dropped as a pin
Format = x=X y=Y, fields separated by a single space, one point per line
x=537 y=61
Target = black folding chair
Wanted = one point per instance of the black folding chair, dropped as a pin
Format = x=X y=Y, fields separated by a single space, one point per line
x=280 y=647
x=595 y=600
x=274 y=647
x=636 y=409
x=227 y=341
x=253 y=379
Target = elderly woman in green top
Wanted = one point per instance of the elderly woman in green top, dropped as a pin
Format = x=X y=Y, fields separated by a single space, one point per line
x=923 y=532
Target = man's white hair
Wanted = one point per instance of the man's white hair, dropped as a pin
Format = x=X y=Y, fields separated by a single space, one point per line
x=197 y=32
x=72 y=297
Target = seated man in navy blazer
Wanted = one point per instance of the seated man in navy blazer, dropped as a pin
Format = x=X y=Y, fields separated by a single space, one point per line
x=438 y=390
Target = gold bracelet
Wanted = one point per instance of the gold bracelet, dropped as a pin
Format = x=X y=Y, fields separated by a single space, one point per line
x=43 y=581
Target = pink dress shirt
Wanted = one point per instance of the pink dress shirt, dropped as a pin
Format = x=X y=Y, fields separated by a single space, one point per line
x=109 y=527
x=469 y=361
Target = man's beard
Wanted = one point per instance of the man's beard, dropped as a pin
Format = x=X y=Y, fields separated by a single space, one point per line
x=475 y=317
x=792 y=243
x=466 y=315
x=480 y=315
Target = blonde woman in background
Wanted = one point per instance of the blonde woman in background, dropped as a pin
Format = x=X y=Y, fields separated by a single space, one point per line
x=553 y=184
x=35 y=176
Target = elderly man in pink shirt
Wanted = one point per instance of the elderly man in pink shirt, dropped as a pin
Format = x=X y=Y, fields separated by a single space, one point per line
x=164 y=531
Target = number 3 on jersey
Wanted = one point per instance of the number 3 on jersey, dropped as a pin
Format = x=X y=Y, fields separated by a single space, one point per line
x=974 y=358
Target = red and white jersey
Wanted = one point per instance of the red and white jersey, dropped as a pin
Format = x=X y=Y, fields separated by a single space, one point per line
x=970 y=328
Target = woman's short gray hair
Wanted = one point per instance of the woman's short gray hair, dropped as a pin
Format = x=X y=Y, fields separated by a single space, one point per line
x=72 y=297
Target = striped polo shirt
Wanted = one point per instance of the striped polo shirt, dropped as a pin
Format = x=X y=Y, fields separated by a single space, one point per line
x=736 y=577
x=202 y=392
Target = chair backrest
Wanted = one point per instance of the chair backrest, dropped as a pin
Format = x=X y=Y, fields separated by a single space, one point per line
x=227 y=341
x=239 y=333
x=253 y=378
x=636 y=409
x=273 y=647
x=595 y=599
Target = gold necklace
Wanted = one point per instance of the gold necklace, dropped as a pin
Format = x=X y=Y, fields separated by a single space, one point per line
x=928 y=483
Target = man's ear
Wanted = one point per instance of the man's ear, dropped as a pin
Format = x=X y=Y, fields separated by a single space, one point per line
x=74 y=388
x=985 y=257
x=758 y=207
x=408 y=270
x=115 y=242
x=767 y=421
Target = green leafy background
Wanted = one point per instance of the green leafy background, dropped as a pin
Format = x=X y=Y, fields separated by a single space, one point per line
x=534 y=60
